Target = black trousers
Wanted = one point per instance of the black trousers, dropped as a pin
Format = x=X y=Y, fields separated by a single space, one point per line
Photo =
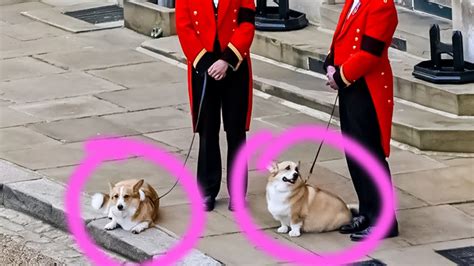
x=359 y=121
x=231 y=96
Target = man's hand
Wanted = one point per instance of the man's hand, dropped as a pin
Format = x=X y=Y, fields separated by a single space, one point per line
x=218 y=70
x=330 y=75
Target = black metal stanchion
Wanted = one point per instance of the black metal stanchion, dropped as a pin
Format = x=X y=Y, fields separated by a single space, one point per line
x=445 y=71
x=278 y=18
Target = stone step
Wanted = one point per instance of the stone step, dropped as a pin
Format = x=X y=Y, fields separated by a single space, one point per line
x=415 y=126
x=307 y=49
x=412 y=34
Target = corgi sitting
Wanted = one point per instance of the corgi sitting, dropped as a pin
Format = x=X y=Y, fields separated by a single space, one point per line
x=302 y=207
x=131 y=204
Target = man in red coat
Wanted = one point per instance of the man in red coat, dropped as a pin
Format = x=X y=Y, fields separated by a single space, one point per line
x=358 y=67
x=215 y=36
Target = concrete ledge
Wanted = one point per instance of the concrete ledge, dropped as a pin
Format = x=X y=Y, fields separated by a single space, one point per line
x=295 y=48
x=56 y=18
x=32 y=193
x=142 y=17
x=418 y=127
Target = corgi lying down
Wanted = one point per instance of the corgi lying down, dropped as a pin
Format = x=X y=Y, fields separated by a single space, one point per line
x=131 y=204
x=302 y=207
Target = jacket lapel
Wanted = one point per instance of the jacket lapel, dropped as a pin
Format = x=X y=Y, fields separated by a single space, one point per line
x=222 y=10
x=344 y=11
x=355 y=13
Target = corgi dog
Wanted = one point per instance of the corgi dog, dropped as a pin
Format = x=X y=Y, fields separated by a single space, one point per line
x=299 y=206
x=131 y=204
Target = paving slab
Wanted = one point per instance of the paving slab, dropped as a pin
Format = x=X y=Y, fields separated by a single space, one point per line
x=177 y=218
x=160 y=119
x=76 y=107
x=94 y=58
x=144 y=246
x=115 y=171
x=11 y=13
x=10 y=117
x=456 y=184
x=141 y=98
x=17 y=138
x=178 y=138
x=8 y=43
x=13 y=173
x=33 y=30
x=44 y=199
x=139 y=75
x=44 y=45
x=24 y=67
x=74 y=130
x=263 y=108
x=399 y=162
x=445 y=223
x=225 y=247
x=420 y=255
x=46 y=156
x=121 y=38
x=467 y=208
x=58 y=86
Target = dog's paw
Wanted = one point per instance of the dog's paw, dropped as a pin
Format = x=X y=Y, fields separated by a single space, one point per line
x=136 y=231
x=111 y=226
x=294 y=233
x=282 y=229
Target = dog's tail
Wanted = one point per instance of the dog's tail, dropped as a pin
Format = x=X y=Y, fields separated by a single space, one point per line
x=100 y=201
x=354 y=208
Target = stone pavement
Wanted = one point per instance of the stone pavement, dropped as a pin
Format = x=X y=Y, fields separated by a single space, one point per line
x=57 y=89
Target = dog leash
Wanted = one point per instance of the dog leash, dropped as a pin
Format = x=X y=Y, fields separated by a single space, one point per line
x=204 y=86
x=322 y=142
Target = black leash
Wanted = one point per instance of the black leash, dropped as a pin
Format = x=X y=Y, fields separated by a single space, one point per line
x=194 y=134
x=322 y=142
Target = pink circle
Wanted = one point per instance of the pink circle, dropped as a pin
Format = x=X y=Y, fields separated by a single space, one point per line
x=99 y=151
x=284 y=141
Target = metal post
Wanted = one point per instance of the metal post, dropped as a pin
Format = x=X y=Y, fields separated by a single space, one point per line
x=284 y=8
x=458 y=53
x=261 y=7
x=435 y=40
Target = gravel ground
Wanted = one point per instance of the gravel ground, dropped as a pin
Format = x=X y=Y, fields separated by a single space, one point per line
x=15 y=253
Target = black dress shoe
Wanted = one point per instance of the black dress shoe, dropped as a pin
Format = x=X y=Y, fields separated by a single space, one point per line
x=209 y=203
x=359 y=236
x=358 y=223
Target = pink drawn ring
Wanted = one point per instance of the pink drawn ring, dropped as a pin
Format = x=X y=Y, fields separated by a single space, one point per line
x=102 y=150
x=284 y=141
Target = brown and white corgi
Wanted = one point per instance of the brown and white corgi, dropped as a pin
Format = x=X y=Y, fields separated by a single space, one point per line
x=302 y=207
x=131 y=204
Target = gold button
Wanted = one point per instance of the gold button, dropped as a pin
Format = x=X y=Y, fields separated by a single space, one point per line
x=195 y=12
x=389 y=101
x=235 y=10
x=354 y=47
x=358 y=30
x=245 y=54
x=385 y=86
x=197 y=32
x=233 y=29
x=383 y=73
x=234 y=20
x=356 y=39
x=197 y=23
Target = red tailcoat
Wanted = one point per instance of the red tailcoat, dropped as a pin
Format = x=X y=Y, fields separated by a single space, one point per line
x=197 y=30
x=360 y=50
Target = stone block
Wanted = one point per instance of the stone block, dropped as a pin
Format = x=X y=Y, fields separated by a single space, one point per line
x=44 y=199
x=143 y=17
x=144 y=246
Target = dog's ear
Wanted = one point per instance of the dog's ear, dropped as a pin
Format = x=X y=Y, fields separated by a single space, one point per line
x=273 y=167
x=138 y=185
x=298 y=165
x=111 y=187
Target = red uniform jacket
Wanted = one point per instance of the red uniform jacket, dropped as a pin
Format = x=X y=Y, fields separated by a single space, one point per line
x=360 y=50
x=197 y=31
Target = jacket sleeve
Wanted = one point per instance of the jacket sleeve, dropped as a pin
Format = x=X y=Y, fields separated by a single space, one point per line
x=380 y=27
x=190 y=43
x=242 y=38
